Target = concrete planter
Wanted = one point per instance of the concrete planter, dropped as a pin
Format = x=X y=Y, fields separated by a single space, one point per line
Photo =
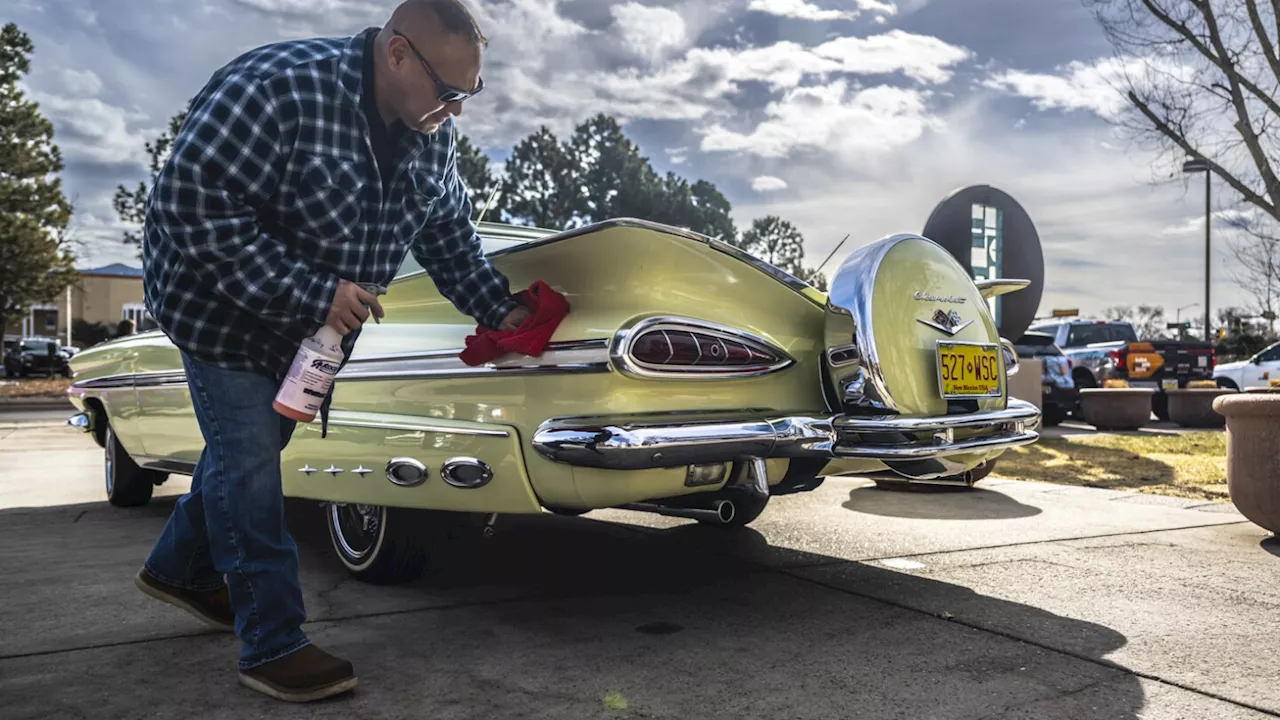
x=1116 y=408
x=1193 y=407
x=1253 y=455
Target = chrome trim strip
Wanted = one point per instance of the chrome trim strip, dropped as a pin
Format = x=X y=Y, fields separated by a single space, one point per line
x=555 y=347
x=414 y=427
x=106 y=381
x=673 y=440
x=620 y=350
x=559 y=359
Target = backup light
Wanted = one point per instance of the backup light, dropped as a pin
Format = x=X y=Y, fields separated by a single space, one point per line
x=686 y=348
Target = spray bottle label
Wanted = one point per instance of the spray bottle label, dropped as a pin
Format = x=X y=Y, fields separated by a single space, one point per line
x=308 y=381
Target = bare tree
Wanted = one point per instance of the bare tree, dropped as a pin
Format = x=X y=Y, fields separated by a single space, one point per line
x=1257 y=272
x=1147 y=320
x=1202 y=79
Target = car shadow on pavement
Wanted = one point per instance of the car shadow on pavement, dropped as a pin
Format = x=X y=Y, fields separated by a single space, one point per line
x=690 y=579
x=1271 y=545
x=547 y=616
x=945 y=503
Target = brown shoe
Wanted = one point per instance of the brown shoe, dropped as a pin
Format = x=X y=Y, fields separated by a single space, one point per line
x=211 y=606
x=301 y=676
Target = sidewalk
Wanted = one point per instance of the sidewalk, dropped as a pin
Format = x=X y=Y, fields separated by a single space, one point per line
x=1012 y=600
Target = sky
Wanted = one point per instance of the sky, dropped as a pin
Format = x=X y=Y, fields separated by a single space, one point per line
x=845 y=117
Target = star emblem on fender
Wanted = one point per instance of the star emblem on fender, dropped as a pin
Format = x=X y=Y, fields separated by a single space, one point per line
x=946 y=322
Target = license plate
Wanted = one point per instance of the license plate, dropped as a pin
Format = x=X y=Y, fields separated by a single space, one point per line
x=967 y=370
x=1202 y=361
x=1168 y=384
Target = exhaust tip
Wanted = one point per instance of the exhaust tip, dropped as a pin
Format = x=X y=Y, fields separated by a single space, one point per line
x=726 y=511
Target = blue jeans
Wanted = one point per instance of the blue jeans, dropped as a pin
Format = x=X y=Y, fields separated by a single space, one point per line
x=232 y=522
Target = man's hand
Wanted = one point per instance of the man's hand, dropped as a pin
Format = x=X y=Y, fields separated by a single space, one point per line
x=514 y=318
x=351 y=306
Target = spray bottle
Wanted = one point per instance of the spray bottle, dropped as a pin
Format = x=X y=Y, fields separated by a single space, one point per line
x=314 y=368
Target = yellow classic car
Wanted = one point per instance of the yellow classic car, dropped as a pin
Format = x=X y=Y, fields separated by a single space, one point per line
x=689 y=379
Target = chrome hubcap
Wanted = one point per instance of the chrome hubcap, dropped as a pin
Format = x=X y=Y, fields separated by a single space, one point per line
x=356 y=527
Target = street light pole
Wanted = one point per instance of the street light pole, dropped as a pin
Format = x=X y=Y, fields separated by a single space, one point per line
x=1195 y=166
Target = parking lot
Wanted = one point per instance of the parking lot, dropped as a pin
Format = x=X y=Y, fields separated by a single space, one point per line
x=1012 y=600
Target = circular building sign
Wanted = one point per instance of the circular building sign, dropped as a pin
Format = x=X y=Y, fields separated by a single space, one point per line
x=993 y=237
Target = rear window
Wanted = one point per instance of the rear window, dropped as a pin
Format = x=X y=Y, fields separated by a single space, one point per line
x=1032 y=346
x=1080 y=335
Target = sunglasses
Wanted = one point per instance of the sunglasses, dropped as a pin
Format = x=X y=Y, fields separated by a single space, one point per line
x=447 y=93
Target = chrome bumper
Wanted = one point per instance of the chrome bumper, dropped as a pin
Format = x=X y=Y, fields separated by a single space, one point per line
x=913 y=447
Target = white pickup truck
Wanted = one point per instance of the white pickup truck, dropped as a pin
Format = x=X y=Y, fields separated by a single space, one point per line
x=1257 y=371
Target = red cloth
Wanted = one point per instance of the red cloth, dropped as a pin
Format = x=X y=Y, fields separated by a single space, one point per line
x=546 y=309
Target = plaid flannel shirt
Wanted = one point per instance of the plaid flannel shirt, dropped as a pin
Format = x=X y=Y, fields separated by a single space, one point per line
x=272 y=193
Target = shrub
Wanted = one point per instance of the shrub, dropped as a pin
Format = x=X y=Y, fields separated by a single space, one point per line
x=1202 y=385
x=1115 y=383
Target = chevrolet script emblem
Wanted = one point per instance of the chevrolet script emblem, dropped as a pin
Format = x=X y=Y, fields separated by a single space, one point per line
x=946 y=322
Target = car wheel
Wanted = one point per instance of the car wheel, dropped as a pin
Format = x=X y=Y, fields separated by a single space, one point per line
x=1227 y=384
x=127 y=484
x=387 y=545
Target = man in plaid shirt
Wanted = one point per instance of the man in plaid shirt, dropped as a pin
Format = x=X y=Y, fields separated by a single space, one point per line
x=303 y=169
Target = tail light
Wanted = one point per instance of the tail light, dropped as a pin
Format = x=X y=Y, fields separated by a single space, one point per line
x=685 y=347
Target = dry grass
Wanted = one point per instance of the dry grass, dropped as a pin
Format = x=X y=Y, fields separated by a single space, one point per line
x=1191 y=465
x=15 y=388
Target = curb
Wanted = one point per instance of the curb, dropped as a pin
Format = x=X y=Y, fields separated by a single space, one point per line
x=35 y=404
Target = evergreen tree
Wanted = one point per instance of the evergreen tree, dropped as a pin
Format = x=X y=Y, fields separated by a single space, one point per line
x=131 y=205
x=35 y=262
x=473 y=167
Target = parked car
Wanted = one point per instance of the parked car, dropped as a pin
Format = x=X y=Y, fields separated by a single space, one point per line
x=689 y=379
x=1102 y=349
x=1060 y=398
x=31 y=356
x=1257 y=371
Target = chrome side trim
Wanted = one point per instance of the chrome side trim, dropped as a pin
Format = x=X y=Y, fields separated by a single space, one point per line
x=587 y=356
x=415 y=427
x=163 y=378
x=624 y=339
x=121 y=380
x=558 y=359
x=673 y=440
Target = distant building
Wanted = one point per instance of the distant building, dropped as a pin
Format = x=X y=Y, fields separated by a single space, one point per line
x=103 y=295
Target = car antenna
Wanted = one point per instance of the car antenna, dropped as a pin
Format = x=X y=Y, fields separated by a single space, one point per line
x=833 y=252
x=489 y=202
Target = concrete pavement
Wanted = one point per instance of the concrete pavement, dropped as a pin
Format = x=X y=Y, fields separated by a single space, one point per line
x=1014 y=600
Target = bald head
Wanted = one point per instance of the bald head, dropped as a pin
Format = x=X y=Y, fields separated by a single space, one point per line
x=420 y=18
x=427 y=57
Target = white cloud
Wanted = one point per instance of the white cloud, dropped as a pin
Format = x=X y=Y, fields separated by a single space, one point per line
x=768 y=183
x=849 y=121
x=651 y=33
x=1097 y=87
x=805 y=10
x=91 y=130
x=81 y=82
x=799 y=9
x=920 y=57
